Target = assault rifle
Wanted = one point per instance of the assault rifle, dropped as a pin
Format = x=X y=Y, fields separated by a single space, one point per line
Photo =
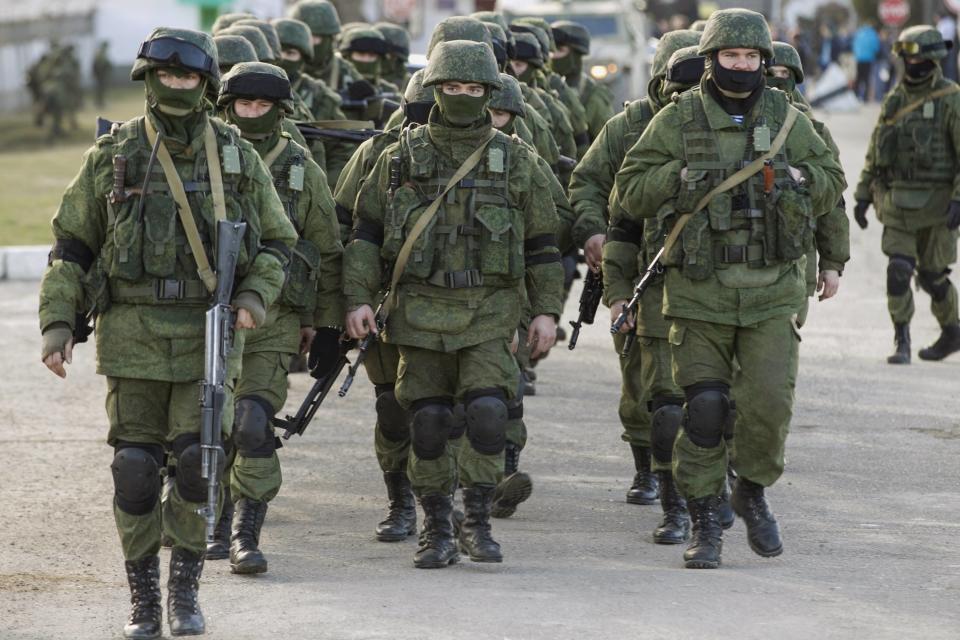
x=364 y=346
x=297 y=424
x=218 y=343
x=589 y=301
x=325 y=131
x=653 y=269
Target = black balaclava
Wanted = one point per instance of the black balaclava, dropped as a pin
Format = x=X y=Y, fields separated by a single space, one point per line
x=736 y=91
x=418 y=112
x=918 y=72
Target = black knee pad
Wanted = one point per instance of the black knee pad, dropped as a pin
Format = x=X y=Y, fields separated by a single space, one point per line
x=136 y=476
x=190 y=484
x=393 y=419
x=706 y=413
x=252 y=434
x=515 y=409
x=666 y=423
x=430 y=430
x=899 y=271
x=486 y=411
x=458 y=422
x=936 y=284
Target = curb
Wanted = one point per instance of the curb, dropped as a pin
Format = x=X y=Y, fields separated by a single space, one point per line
x=24 y=262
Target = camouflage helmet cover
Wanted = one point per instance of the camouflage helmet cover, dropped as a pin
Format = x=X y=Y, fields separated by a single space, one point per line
x=294 y=34
x=736 y=29
x=572 y=34
x=543 y=41
x=527 y=48
x=492 y=17
x=698 y=26
x=415 y=91
x=462 y=61
x=670 y=43
x=922 y=41
x=256 y=80
x=233 y=50
x=226 y=20
x=320 y=15
x=509 y=97
x=365 y=39
x=194 y=42
x=542 y=25
x=784 y=55
x=255 y=37
x=459 y=28
x=268 y=30
x=398 y=40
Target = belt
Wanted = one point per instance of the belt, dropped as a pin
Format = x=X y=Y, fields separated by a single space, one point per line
x=161 y=290
x=465 y=279
x=738 y=253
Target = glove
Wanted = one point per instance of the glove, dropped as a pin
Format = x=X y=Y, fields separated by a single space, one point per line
x=55 y=339
x=860 y=213
x=953 y=215
x=324 y=352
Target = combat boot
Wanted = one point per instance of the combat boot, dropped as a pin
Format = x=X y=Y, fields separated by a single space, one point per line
x=401 y=519
x=219 y=549
x=515 y=487
x=901 y=338
x=675 y=526
x=706 y=541
x=724 y=510
x=475 y=535
x=947 y=343
x=763 y=532
x=437 y=547
x=183 y=608
x=645 y=488
x=147 y=611
x=245 y=554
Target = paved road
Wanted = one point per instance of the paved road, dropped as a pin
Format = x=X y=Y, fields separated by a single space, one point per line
x=868 y=507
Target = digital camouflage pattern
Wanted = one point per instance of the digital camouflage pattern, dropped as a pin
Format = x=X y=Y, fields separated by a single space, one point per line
x=572 y=34
x=321 y=16
x=198 y=39
x=933 y=46
x=509 y=97
x=232 y=50
x=785 y=55
x=394 y=65
x=294 y=34
x=463 y=61
x=255 y=37
x=225 y=20
x=458 y=28
x=269 y=32
x=736 y=28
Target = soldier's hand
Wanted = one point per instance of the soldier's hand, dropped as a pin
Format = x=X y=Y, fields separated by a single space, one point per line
x=57 y=349
x=953 y=215
x=615 y=309
x=860 y=213
x=324 y=352
x=244 y=320
x=593 y=250
x=828 y=283
x=541 y=336
x=306 y=337
x=361 y=321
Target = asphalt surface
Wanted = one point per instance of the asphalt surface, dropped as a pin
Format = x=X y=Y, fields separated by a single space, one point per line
x=868 y=505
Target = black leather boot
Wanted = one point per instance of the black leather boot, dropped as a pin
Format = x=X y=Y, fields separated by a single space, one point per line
x=901 y=338
x=763 y=532
x=724 y=510
x=706 y=541
x=146 y=613
x=947 y=343
x=219 y=549
x=475 y=535
x=437 y=546
x=401 y=519
x=515 y=487
x=645 y=489
x=183 y=608
x=675 y=526
x=245 y=554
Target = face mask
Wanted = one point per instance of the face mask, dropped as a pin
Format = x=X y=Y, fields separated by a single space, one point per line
x=919 y=70
x=568 y=65
x=323 y=52
x=369 y=70
x=786 y=85
x=418 y=112
x=461 y=110
x=737 y=82
x=292 y=67
x=256 y=126
x=174 y=102
x=527 y=76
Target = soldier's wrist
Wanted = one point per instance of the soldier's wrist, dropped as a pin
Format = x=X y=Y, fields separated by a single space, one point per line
x=253 y=303
x=55 y=339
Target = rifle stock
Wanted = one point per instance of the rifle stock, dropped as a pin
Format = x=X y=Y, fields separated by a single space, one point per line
x=590 y=299
x=653 y=269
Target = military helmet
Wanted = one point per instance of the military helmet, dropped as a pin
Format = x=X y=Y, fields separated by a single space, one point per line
x=294 y=34
x=572 y=34
x=255 y=37
x=509 y=97
x=357 y=24
x=669 y=43
x=542 y=25
x=185 y=48
x=543 y=41
x=492 y=17
x=784 y=55
x=255 y=80
x=233 y=50
x=320 y=15
x=736 y=29
x=685 y=66
x=366 y=39
x=415 y=91
x=498 y=38
x=398 y=40
x=526 y=48
x=226 y=20
x=462 y=61
x=922 y=41
x=268 y=30
x=459 y=28
x=698 y=26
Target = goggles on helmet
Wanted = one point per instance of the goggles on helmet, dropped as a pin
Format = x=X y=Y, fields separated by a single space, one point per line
x=180 y=52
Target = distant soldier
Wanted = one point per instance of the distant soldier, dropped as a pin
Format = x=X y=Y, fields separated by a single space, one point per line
x=573 y=43
x=393 y=67
x=101 y=73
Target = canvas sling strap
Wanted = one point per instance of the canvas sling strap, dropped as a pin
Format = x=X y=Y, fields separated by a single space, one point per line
x=342 y=125
x=916 y=104
x=274 y=153
x=428 y=215
x=204 y=270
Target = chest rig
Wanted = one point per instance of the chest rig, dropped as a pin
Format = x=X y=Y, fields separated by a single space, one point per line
x=914 y=147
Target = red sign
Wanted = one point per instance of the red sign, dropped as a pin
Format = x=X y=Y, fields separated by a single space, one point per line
x=894 y=13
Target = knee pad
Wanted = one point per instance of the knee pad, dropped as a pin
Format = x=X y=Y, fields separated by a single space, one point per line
x=190 y=484
x=666 y=423
x=515 y=409
x=252 y=434
x=430 y=430
x=706 y=414
x=136 y=477
x=486 y=411
x=899 y=271
x=937 y=285
x=458 y=422
x=394 y=421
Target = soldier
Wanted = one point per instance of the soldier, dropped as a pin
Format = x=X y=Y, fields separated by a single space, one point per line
x=324 y=22
x=365 y=47
x=150 y=328
x=648 y=363
x=254 y=36
x=393 y=66
x=912 y=178
x=269 y=33
x=573 y=43
x=225 y=20
x=735 y=280
x=456 y=278
x=101 y=73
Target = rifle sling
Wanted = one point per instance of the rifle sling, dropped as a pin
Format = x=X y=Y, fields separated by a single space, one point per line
x=274 y=153
x=916 y=104
x=341 y=125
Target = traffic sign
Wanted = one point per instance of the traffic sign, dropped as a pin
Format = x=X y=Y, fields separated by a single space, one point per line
x=894 y=13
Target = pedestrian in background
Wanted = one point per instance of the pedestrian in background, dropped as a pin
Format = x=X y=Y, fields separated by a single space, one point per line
x=947 y=26
x=866 y=48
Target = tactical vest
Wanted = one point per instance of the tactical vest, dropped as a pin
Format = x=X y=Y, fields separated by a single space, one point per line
x=146 y=256
x=476 y=237
x=747 y=225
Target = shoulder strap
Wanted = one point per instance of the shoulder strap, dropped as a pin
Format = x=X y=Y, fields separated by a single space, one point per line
x=274 y=153
x=401 y=263
x=916 y=104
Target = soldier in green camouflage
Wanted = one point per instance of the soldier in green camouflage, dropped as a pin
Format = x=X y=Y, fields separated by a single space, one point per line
x=735 y=279
x=366 y=48
x=324 y=22
x=150 y=327
x=393 y=67
x=255 y=97
x=457 y=305
x=912 y=178
x=254 y=36
x=225 y=20
x=269 y=33
x=573 y=43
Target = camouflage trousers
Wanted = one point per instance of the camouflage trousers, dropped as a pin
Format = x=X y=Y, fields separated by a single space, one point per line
x=932 y=250
x=656 y=381
x=634 y=414
x=392 y=448
x=767 y=355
